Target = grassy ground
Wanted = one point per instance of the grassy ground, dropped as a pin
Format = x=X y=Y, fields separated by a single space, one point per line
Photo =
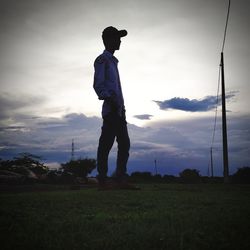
x=161 y=216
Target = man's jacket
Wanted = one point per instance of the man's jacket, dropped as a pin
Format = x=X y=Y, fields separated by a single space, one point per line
x=107 y=84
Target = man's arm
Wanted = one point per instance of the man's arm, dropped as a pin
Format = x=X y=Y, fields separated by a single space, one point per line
x=100 y=84
x=99 y=79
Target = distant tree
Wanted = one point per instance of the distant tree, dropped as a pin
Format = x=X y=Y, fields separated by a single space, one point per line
x=80 y=167
x=242 y=175
x=5 y=164
x=190 y=176
x=24 y=162
x=32 y=162
x=25 y=168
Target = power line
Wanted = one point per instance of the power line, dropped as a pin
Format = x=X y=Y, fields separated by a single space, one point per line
x=216 y=107
x=225 y=30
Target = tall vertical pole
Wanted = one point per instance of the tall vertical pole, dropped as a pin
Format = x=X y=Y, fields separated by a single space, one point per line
x=208 y=170
x=72 y=150
x=224 y=123
x=156 y=172
x=212 y=164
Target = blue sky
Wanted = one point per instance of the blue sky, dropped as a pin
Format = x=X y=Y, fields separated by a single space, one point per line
x=169 y=71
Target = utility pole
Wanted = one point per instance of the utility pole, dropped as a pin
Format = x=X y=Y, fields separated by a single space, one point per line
x=155 y=167
x=224 y=123
x=212 y=164
x=72 y=150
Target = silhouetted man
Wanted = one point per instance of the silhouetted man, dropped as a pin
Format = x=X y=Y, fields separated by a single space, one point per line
x=107 y=86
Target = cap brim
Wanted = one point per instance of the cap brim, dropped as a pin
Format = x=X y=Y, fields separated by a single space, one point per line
x=122 y=33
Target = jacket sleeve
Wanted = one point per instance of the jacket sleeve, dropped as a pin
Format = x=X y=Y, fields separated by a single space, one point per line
x=100 y=84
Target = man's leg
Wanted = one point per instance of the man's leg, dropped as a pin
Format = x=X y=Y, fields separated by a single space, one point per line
x=122 y=157
x=106 y=142
x=123 y=149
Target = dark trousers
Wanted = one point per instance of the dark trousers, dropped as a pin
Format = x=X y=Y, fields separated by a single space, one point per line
x=113 y=127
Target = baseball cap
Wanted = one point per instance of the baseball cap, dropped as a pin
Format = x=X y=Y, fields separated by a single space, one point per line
x=111 y=31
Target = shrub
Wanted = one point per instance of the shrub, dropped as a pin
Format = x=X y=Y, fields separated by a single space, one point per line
x=27 y=166
x=190 y=176
x=79 y=168
x=242 y=175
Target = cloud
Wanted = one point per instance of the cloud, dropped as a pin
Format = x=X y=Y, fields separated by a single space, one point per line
x=15 y=105
x=143 y=117
x=11 y=128
x=51 y=137
x=203 y=105
x=175 y=144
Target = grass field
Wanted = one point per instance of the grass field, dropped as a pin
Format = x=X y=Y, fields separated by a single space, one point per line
x=159 y=216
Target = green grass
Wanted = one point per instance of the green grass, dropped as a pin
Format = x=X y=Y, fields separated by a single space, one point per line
x=161 y=216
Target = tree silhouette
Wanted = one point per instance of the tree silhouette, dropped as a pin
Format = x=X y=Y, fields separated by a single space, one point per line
x=190 y=176
x=25 y=161
x=242 y=175
x=80 y=167
x=32 y=162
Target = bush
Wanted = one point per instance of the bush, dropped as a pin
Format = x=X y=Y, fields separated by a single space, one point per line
x=79 y=168
x=26 y=164
x=242 y=175
x=26 y=168
x=190 y=176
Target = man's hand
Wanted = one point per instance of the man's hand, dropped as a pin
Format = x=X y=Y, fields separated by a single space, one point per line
x=124 y=113
x=112 y=103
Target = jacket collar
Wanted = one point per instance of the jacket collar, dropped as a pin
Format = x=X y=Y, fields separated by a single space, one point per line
x=110 y=55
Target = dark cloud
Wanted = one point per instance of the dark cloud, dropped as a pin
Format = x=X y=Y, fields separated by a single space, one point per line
x=11 y=128
x=10 y=104
x=206 y=104
x=143 y=117
x=51 y=137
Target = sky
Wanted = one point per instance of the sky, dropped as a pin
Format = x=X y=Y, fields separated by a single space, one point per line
x=169 y=67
